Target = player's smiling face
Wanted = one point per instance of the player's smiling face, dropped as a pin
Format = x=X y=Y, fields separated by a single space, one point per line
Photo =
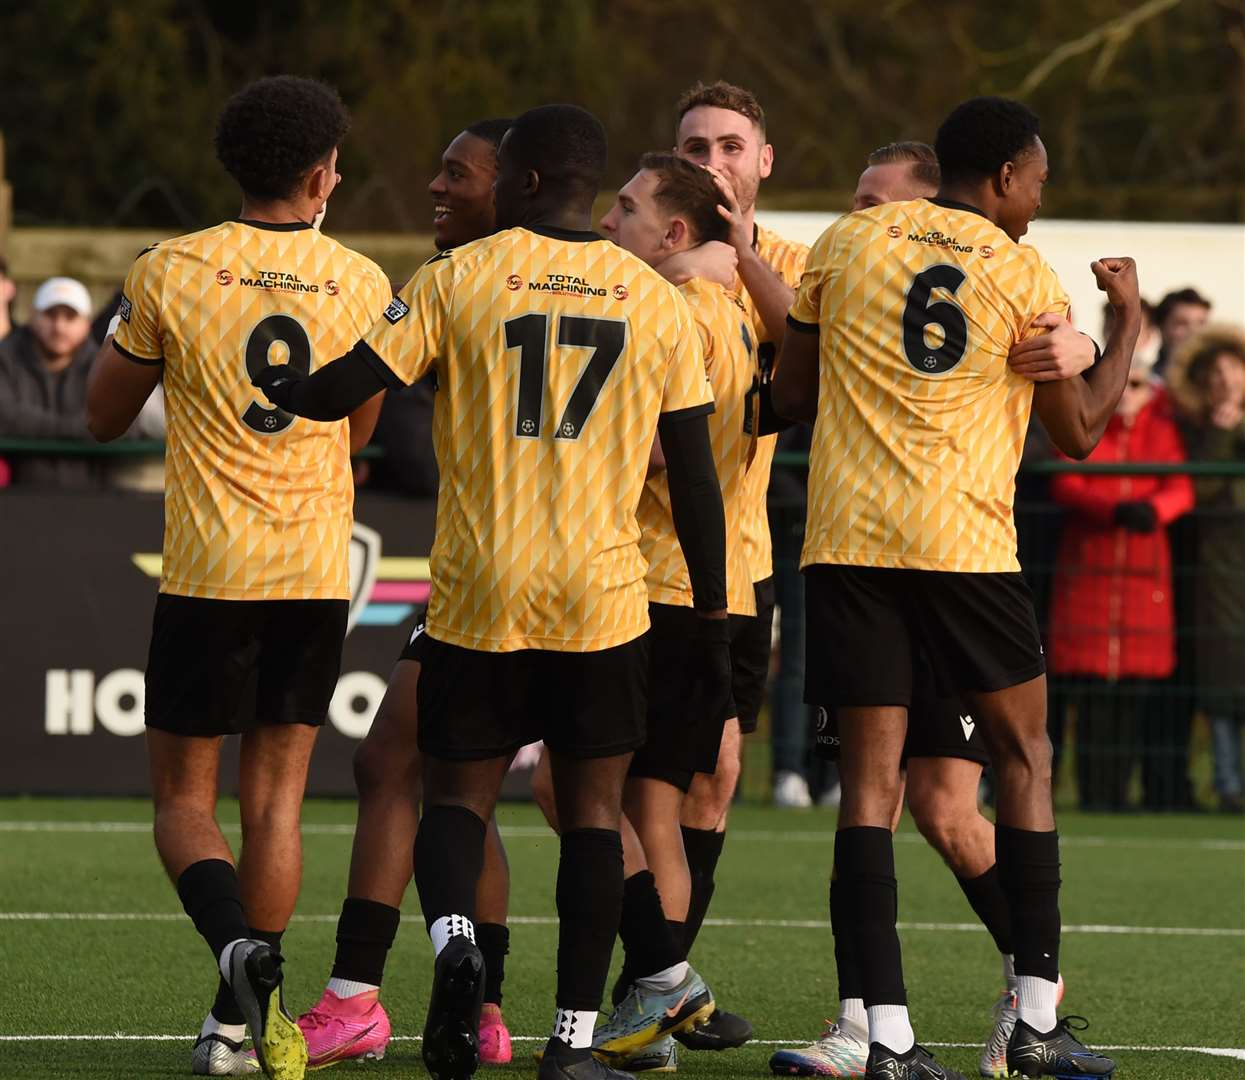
x=637 y=222
x=462 y=192
x=1022 y=195
x=732 y=144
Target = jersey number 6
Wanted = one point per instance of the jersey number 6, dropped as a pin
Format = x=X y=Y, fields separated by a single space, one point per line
x=919 y=314
x=530 y=335
x=266 y=419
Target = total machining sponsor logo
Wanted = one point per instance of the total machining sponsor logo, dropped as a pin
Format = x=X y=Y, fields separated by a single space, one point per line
x=937 y=239
x=383 y=592
x=278 y=279
x=564 y=283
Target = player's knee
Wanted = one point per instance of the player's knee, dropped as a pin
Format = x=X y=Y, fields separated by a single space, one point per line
x=1023 y=758
x=937 y=820
x=542 y=792
x=377 y=768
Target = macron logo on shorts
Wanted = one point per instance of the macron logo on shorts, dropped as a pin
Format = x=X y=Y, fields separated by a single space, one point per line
x=967 y=723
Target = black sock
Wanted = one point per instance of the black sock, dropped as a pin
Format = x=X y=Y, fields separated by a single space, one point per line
x=494 y=942
x=365 y=933
x=649 y=942
x=703 y=848
x=449 y=854
x=1028 y=866
x=986 y=897
x=628 y=974
x=845 y=958
x=225 y=1007
x=212 y=898
x=864 y=862
x=589 y=896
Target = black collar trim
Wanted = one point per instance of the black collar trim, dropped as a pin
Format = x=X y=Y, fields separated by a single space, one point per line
x=275 y=226
x=552 y=231
x=951 y=204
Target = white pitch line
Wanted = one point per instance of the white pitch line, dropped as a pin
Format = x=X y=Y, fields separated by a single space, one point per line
x=539 y=832
x=1217 y=1051
x=552 y=920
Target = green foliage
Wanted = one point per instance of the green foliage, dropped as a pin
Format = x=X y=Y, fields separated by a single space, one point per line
x=108 y=110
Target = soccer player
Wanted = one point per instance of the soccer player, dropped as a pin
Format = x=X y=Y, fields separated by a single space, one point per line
x=559 y=357
x=668 y=207
x=349 y=1021
x=253 y=596
x=722 y=127
x=944 y=751
x=898 y=345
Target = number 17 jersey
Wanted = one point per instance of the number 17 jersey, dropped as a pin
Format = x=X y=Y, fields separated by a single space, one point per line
x=257 y=502
x=555 y=352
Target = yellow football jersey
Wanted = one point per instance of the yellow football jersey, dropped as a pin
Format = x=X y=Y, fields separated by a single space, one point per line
x=920 y=422
x=554 y=353
x=730 y=360
x=786 y=258
x=257 y=502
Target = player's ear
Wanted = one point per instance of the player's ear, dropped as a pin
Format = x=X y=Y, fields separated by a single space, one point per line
x=676 y=234
x=1004 y=177
x=531 y=183
x=767 y=160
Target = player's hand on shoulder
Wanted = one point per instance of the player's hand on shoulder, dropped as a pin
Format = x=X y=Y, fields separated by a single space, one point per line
x=1060 y=353
x=712 y=260
x=1117 y=277
x=278 y=381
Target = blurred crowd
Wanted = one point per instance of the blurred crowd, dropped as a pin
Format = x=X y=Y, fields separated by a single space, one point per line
x=1140 y=576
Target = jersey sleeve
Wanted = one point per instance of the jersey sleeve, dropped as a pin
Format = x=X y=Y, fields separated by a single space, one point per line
x=805 y=313
x=687 y=391
x=1046 y=295
x=407 y=337
x=138 y=314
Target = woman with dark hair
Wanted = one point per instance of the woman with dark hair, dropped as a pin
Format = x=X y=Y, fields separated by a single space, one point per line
x=1207 y=379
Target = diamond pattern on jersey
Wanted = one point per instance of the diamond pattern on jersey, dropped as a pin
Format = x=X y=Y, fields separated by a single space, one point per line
x=910 y=468
x=251 y=513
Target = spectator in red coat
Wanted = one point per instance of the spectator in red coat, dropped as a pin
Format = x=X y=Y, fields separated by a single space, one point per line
x=1112 y=627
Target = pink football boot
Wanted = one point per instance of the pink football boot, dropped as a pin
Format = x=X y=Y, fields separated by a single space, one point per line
x=494 y=1036
x=338 y=1029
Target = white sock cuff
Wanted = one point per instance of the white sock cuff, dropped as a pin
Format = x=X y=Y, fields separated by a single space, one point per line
x=853 y=1019
x=348 y=988
x=667 y=979
x=890 y=1026
x=1035 y=1002
x=449 y=926
x=232 y=1032
x=574 y=1027
x=226 y=954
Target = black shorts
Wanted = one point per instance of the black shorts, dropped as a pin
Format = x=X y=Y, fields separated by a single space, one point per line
x=681 y=739
x=475 y=705
x=219 y=667
x=937 y=726
x=752 y=640
x=864 y=626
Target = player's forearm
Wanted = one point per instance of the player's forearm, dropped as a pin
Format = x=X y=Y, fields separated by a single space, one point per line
x=771 y=295
x=696 y=506
x=332 y=393
x=1075 y=412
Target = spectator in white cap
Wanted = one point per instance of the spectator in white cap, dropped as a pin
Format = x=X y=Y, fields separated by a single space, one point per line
x=43 y=372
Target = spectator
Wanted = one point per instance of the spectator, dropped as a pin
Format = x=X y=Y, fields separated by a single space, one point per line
x=43 y=373
x=1208 y=382
x=1112 y=627
x=1180 y=315
x=8 y=290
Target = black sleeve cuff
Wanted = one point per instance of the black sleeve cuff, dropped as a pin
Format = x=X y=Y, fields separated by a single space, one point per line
x=802 y=327
x=146 y=361
x=363 y=351
x=690 y=413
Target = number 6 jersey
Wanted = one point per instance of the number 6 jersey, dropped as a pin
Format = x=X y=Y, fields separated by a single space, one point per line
x=554 y=352
x=257 y=502
x=920 y=422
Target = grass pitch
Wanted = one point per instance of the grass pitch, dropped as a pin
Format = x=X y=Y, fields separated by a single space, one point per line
x=94 y=943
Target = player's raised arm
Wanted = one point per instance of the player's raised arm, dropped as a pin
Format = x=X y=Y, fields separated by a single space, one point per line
x=1075 y=411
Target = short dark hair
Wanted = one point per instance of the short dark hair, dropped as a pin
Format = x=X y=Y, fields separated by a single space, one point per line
x=491 y=131
x=981 y=135
x=921 y=155
x=687 y=189
x=1186 y=295
x=274 y=131
x=720 y=95
x=565 y=144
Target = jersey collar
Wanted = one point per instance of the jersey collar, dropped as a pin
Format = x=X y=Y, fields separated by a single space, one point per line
x=578 y=235
x=275 y=226
x=951 y=204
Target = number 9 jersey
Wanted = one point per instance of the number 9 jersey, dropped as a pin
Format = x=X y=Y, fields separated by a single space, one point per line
x=257 y=502
x=920 y=422
x=555 y=352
